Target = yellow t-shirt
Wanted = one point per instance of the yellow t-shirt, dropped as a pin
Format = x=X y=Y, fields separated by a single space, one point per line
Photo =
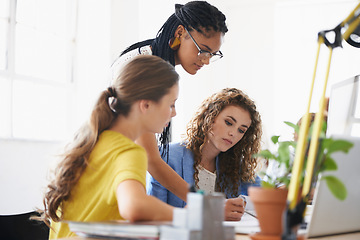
x=114 y=159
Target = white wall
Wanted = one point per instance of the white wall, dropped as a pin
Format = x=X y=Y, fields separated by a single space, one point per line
x=296 y=25
x=25 y=165
x=269 y=53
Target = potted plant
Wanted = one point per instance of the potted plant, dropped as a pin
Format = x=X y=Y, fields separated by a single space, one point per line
x=270 y=199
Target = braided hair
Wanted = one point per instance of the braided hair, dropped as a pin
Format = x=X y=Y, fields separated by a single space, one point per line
x=198 y=15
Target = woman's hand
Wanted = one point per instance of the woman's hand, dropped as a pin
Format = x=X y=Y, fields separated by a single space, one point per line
x=234 y=209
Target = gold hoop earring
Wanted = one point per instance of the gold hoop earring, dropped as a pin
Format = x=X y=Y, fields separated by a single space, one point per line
x=174 y=43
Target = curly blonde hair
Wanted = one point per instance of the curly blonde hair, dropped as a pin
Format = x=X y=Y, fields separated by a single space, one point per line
x=238 y=162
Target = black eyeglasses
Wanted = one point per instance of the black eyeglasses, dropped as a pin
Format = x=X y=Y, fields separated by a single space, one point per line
x=203 y=54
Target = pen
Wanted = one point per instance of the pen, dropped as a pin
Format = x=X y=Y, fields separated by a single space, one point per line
x=250 y=214
x=243 y=197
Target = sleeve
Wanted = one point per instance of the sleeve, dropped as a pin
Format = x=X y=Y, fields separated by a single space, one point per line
x=245 y=185
x=120 y=63
x=174 y=160
x=157 y=190
x=131 y=164
x=249 y=203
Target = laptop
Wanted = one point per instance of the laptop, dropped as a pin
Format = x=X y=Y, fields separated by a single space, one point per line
x=332 y=216
x=344 y=108
x=327 y=215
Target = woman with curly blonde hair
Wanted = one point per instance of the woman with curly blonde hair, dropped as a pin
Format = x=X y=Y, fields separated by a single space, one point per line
x=217 y=154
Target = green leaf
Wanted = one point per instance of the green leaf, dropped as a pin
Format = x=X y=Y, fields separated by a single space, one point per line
x=323 y=130
x=284 y=152
x=267 y=184
x=336 y=187
x=294 y=126
x=329 y=164
x=275 y=139
x=325 y=143
x=320 y=158
x=339 y=145
x=265 y=154
x=285 y=180
x=293 y=144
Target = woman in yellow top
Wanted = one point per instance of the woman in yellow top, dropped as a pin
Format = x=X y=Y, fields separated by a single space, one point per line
x=102 y=175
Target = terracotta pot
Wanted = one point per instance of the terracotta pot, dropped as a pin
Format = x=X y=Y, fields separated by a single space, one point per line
x=269 y=207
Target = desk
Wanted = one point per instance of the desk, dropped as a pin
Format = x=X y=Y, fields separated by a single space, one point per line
x=348 y=236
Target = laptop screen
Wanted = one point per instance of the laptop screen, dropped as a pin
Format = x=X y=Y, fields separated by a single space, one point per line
x=330 y=215
x=344 y=108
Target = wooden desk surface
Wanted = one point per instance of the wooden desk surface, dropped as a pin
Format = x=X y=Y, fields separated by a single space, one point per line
x=348 y=236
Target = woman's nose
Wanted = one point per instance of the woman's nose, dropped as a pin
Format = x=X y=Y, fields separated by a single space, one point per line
x=173 y=112
x=206 y=60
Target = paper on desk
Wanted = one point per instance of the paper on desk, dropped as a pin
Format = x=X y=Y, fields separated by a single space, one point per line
x=249 y=224
x=246 y=225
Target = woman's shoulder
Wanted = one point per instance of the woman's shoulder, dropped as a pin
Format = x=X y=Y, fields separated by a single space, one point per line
x=176 y=150
x=177 y=147
x=120 y=61
x=144 y=50
x=118 y=142
x=180 y=158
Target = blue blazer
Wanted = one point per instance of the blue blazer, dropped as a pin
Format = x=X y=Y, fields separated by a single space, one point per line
x=181 y=160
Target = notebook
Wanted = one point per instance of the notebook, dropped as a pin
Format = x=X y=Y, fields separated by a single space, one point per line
x=248 y=224
x=119 y=229
x=329 y=215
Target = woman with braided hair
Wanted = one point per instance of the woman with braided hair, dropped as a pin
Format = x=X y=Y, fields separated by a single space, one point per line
x=191 y=37
x=217 y=154
x=102 y=175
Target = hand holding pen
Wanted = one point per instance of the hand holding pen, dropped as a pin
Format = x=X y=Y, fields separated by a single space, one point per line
x=245 y=211
x=234 y=208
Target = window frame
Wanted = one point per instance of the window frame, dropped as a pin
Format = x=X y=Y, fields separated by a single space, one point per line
x=10 y=75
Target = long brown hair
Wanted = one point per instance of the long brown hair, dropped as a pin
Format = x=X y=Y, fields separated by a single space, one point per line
x=144 y=77
x=238 y=162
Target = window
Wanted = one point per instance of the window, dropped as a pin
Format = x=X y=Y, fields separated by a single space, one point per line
x=37 y=45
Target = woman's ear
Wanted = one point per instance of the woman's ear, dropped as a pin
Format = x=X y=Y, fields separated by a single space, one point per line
x=180 y=30
x=144 y=105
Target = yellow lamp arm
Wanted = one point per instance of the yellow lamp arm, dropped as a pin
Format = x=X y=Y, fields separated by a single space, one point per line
x=294 y=212
x=352 y=22
x=319 y=117
x=302 y=143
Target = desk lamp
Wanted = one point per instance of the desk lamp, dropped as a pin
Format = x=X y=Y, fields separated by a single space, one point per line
x=348 y=30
